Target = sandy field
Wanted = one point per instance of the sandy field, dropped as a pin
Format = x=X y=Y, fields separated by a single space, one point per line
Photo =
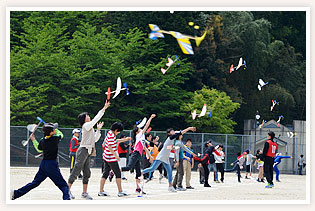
x=291 y=187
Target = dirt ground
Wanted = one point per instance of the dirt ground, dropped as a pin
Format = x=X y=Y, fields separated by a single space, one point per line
x=291 y=187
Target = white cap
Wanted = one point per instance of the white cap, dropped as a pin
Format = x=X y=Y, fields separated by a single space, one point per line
x=76 y=130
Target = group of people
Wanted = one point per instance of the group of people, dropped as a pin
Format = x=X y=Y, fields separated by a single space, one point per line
x=157 y=155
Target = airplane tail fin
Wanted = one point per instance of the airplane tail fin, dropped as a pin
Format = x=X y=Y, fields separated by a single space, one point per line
x=200 y=39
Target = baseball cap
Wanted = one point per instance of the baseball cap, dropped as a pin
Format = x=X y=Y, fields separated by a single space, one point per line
x=76 y=130
x=51 y=125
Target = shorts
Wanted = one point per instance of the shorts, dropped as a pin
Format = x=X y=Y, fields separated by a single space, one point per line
x=260 y=165
x=248 y=168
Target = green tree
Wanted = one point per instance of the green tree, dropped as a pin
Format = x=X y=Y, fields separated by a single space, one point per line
x=221 y=107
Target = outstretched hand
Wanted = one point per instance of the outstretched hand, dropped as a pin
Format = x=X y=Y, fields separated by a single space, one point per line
x=153 y=115
x=100 y=125
x=107 y=104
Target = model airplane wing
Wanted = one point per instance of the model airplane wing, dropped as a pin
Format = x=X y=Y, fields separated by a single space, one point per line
x=203 y=111
x=261 y=82
x=170 y=62
x=118 y=87
x=240 y=63
x=194 y=114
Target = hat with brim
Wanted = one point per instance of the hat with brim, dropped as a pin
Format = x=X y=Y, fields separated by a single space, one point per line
x=51 y=125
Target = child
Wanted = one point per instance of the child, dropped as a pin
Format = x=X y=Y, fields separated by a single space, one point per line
x=249 y=158
x=219 y=160
x=74 y=145
x=238 y=165
x=49 y=165
x=111 y=158
x=155 y=145
x=277 y=162
x=260 y=166
x=163 y=156
x=122 y=151
x=201 y=173
x=134 y=160
x=86 y=149
x=188 y=163
x=179 y=155
x=205 y=160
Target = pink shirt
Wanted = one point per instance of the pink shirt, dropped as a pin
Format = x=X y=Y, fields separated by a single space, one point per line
x=140 y=138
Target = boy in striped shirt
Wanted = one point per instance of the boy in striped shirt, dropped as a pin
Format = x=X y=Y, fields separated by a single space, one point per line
x=111 y=158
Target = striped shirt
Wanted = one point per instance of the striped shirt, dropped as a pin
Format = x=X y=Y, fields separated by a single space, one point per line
x=110 y=140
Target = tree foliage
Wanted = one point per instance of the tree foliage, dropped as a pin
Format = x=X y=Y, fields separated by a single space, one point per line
x=62 y=62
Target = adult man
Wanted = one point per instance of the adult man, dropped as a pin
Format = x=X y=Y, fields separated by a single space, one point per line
x=269 y=152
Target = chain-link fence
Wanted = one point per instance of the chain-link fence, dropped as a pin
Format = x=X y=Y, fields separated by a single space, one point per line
x=26 y=156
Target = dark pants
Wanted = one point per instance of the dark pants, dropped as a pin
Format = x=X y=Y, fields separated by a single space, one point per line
x=206 y=170
x=268 y=169
x=237 y=169
x=201 y=175
x=134 y=161
x=178 y=179
x=300 y=169
x=82 y=163
x=220 y=169
x=72 y=157
x=145 y=163
x=47 y=168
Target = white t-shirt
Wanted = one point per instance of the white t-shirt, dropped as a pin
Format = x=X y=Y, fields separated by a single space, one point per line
x=249 y=158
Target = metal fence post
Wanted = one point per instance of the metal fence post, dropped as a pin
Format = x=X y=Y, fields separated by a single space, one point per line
x=226 y=146
x=202 y=141
x=27 y=148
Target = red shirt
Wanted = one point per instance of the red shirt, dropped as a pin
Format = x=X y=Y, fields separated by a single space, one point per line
x=272 y=149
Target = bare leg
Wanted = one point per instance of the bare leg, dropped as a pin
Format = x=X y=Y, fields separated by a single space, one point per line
x=118 y=182
x=102 y=183
x=85 y=188
x=69 y=185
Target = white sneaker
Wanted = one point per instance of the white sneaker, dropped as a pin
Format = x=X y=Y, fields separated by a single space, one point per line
x=103 y=193
x=122 y=193
x=71 y=196
x=86 y=196
x=180 y=189
x=171 y=189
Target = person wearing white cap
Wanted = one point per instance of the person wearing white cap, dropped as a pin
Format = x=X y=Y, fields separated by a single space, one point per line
x=74 y=145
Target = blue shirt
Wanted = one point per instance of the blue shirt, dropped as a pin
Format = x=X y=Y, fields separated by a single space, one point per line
x=187 y=154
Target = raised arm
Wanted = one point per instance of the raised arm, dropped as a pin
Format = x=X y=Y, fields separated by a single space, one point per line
x=90 y=125
x=123 y=139
x=35 y=143
x=148 y=123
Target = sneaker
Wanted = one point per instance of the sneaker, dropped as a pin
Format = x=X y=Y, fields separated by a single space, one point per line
x=103 y=193
x=124 y=178
x=278 y=180
x=122 y=193
x=258 y=180
x=202 y=182
x=190 y=187
x=86 y=196
x=262 y=180
x=71 y=196
x=217 y=181
x=206 y=185
x=111 y=175
x=268 y=186
x=138 y=190
x=246 y=177
x=171 y=189
x=148 y=180
x=181 y=189
x=222 y=180
x=12 y=195
x=272 y=185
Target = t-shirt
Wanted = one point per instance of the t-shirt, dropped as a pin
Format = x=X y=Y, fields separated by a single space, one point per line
x=140 y=142
x=187 y=154
x=249 y=159
x=49 y=146
x=110 y=140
